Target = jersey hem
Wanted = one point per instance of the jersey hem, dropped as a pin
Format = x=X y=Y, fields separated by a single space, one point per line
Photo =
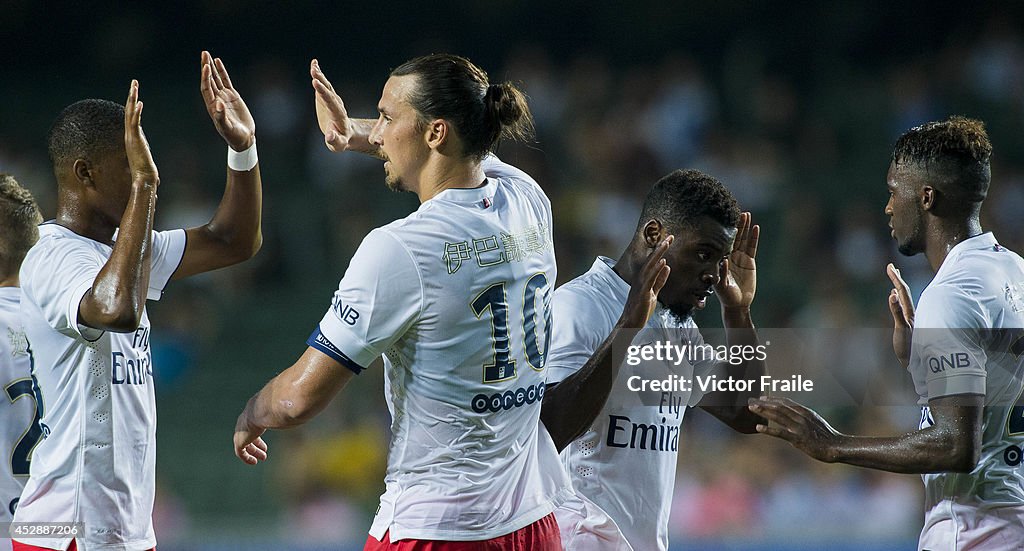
x=398 y=533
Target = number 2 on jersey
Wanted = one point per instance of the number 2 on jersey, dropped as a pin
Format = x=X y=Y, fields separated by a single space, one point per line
x=20 y=456
x=494 y=298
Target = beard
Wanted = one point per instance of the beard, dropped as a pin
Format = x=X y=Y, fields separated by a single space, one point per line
x=394 y=183
x=912 y=244
x=680 y=314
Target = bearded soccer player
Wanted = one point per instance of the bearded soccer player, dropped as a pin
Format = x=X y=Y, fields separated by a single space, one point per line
x=456 y=298
x=84 y=289
x=962 y=347
x=19 y=426
x=620 y=450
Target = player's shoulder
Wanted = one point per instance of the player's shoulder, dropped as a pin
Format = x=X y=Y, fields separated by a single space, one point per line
x=10 y=303
x=588 y=298
x=976 y=273
x=494 y=167
x=54 y=240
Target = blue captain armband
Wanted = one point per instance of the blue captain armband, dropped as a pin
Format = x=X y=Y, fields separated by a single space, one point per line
x=318 y=341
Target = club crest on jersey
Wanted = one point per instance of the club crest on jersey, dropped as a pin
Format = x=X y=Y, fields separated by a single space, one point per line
x=19 y=343
x=1013 y=294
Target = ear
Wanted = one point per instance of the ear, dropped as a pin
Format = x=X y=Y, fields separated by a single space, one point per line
x=653 y=232
x=82 y=170
x=436 y=133
x=928 y=197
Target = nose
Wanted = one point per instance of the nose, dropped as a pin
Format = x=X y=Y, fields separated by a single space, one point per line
x=710 y=277
x=376 y=136
x=888 y=207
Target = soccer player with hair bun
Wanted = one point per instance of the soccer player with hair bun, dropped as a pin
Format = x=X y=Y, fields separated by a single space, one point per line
x=455 y=297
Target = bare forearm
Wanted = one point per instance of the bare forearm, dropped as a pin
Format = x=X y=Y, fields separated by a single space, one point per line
x=298 y=393
x=237 y=223
x=570 y=407
x=118 y=295
x=360 y=140
x=271 y=408
x=926 y=451
x=730 y=407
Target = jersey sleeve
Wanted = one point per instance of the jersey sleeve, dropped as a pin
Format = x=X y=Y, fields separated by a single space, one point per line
x=60 y=272
x=168 y=250
x=377 y=301
x=574 y=337
x=947 y=349
x=55 y=276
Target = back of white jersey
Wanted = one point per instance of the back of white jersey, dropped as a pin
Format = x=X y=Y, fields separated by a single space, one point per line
x=456 y=297
x=19 y=426
x=969 y=339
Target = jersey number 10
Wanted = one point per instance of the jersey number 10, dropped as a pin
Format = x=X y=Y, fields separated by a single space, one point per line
x=493 y=298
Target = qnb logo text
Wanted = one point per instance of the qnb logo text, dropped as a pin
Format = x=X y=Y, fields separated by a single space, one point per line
x=957 y=360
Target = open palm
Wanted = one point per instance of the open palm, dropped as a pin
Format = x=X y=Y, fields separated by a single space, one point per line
x=738 y=274
x=230 y=115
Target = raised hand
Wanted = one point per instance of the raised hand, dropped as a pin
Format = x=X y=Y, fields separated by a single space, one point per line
x=330 y=111
x=798 y=425
x=901 y=306
x=643 y=294
x=230 y=115
x=140 y=159
x=737 y=281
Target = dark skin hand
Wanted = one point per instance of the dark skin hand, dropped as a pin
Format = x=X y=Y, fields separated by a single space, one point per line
x=118 y=295
x=953 y=443
x=234 y=233
x=736 y=287
x=570 y=407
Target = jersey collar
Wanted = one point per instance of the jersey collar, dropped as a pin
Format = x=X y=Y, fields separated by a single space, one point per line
x=982 y=241
x=467 y=195
x=603 y=266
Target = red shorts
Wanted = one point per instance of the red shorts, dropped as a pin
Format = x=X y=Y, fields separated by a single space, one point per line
x=18 y=546
x=539 y=536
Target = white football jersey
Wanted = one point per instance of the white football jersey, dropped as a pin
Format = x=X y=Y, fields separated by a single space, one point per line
x=968 y=339
x=625 y=463
x=456 y=298
x=19 y=427
x=96 y=463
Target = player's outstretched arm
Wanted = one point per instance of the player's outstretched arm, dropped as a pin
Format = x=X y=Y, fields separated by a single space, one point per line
x=290 y=399
x=952 y=443
x=571 y=406
x=737 y=285
x=234 y=233
x=118 y=295
x=341 y=132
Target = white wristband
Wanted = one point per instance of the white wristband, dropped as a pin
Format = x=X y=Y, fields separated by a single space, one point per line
x=243 y=161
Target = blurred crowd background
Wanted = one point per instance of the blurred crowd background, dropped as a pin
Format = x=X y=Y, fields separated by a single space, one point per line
x=794 y=106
